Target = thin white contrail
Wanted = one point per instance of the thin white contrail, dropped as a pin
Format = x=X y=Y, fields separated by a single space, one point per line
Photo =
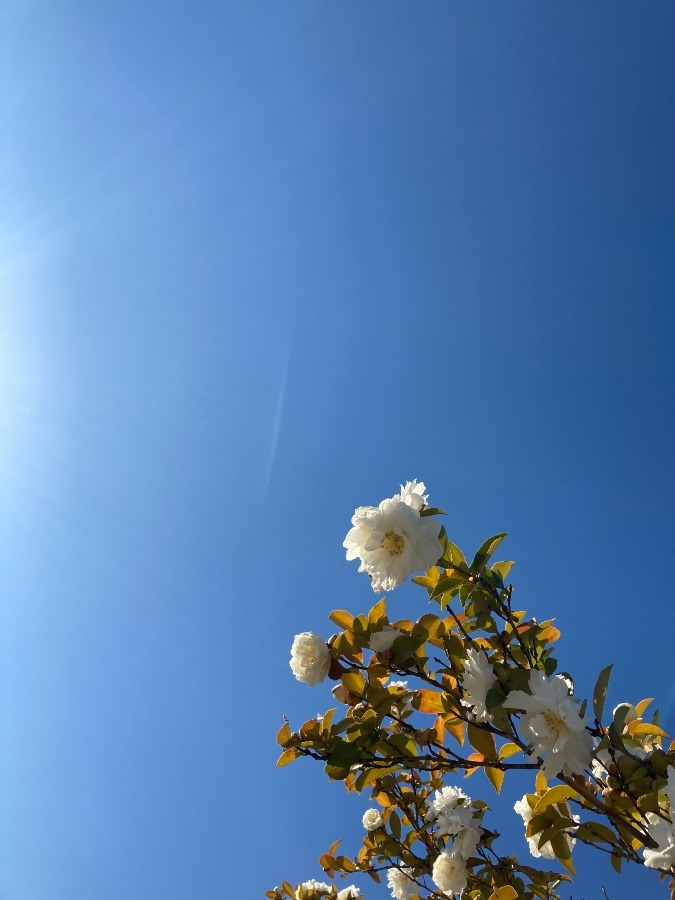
x=276 y=425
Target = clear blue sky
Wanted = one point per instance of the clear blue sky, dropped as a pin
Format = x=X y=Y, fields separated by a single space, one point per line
x=261 y=262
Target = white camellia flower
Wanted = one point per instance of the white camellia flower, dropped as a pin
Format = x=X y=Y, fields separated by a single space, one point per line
x=400 y=883
x=525 y=811
x=452 y=815
x=310 y=658
x=372 y=819
x=381 y=641
x=449 y=873
x=349 y=893
x=392 y=540
x=552 y=724
x=663 y=832
x=445 y=801
x=478 y=679
x=413 y=494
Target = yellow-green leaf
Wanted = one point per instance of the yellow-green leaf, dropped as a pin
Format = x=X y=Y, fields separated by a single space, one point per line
x=555 y=795
x=286 y=757
x=496 y=776
x=645 y=728
x=506 y=892
x=342 y=618
x=642 y=706
x=508 y=750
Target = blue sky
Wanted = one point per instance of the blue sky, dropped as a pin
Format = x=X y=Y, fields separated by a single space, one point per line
x=260 y=263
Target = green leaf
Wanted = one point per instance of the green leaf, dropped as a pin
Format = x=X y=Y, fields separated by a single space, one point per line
x=616 y=862
x=600 y=691
x=486 y=550
x=596 y=831
x=447 y=584
x=503 y=568
x=561 y=848
x=555 y=795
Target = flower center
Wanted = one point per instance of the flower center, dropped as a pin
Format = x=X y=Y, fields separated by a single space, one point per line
x=553 y=723
x=393 y=543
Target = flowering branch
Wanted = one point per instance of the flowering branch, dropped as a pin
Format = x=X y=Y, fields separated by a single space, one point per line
x=488 y=680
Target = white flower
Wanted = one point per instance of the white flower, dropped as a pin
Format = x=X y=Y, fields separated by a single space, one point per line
x=400 y=882
x=449 y=873
x=663 y=832
x=452 y=815
x=602 y=760
x=392 y=540
x=552 y=724
x=372 y=819
x=445 y=801
x=312 y=885
x=413 y=494
x=349 y=893
x=310 y=658
x=525 y=811
x=381 y=641
x=405 y=704
x=478 y=679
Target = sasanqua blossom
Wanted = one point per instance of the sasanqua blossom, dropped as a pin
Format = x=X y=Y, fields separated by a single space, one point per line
x=381 y=641
x=551 y=722
x=349 y=893
x=663 y=833
x=372 y=819
x=400 y=883
x=310 y=658
x=525 y=811
x=452 y=815
x=449 y=873
x=393 y=540
x=478 y=679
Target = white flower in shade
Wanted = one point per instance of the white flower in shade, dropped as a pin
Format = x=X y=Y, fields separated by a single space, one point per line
x=478 y=679
x=552 y=724
x=663 y=833
x=310 y=658
x=413 y=494
x=404 y=706
x=312 y=886
x=525 y=811
x=381 y=641
x=400 y=883
x=349 y=893
x=602 y=760
x=372 y=819
x=392 y=540
x=449 y=873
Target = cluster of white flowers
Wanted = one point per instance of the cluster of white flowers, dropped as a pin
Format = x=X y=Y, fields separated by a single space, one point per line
x=526 y=811
x=400 y=882
x=478 y=679
x=449 y=873
x=372 y=819
x=393 y=540
x=553 y=725
x=310 y=658
x=451 y=813
x=663 y=832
